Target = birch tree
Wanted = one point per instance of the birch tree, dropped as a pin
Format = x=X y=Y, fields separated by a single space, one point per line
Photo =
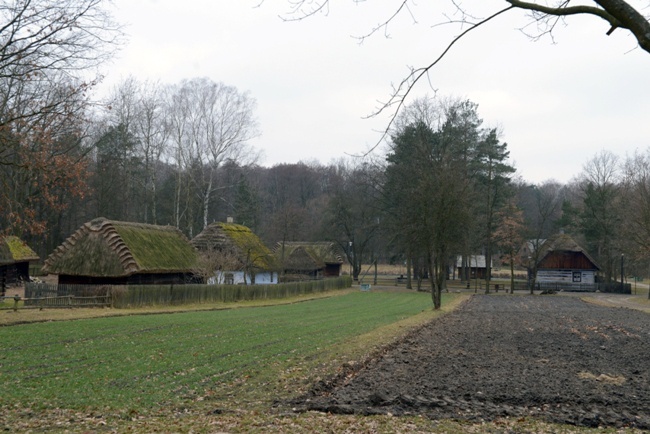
x=211 y=124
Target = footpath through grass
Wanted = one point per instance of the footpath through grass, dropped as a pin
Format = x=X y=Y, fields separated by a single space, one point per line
x=138 y=363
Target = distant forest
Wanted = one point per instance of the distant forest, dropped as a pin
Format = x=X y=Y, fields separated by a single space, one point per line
x=440 y=185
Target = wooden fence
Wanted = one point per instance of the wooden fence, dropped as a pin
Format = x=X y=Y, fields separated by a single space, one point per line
x=612 y=288
x=41 y=295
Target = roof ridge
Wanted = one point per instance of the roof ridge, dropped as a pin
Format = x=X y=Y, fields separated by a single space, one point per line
x=115 y=242
x=106 y=229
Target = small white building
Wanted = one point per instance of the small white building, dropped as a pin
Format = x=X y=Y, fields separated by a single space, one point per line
x=242 y=278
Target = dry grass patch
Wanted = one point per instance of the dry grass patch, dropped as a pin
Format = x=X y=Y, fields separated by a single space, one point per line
x=603 y=378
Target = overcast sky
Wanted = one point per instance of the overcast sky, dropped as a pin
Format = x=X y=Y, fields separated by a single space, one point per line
x=557 y=103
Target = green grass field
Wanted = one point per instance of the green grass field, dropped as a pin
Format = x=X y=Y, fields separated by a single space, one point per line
x=140 y=362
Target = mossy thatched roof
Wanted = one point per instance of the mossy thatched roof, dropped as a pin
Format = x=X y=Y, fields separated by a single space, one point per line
x=107 y=248
x=13 y=249
x=239 y=240
x=298 y=255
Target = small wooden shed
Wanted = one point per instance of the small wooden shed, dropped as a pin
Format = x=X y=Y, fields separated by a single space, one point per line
x=109 y=252
x=235 y=255
x=474 y=264
x=15 y=256
x=313 y=259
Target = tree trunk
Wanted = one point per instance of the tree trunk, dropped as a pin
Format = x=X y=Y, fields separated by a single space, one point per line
x=177 y=208
x=488 y=259
x=154 y=200
x=409 y=272
x=533 y=278
x=436 y=277
x=435 y=290
x=512 y=274
x=206 y=202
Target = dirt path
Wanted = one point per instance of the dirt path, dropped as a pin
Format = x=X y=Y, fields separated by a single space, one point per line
x=553 y=357
x=637 y=302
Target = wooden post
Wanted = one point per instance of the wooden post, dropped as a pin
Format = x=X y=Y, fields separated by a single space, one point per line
x=16 y=300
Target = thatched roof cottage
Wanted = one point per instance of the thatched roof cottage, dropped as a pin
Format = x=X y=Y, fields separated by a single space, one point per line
x=563 y=261
x=15 y=256
x=233 y=254
x=112 y=252
x=313 y=259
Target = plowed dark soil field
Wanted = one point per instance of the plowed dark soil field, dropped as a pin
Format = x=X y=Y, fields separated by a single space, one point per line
x=551 y=357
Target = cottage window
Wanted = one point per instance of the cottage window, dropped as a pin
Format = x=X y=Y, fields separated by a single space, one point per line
x=229 y=279
x=577 y=277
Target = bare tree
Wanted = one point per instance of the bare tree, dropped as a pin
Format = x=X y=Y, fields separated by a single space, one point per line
x=601 y=217
x=177 y=114
x=636 y=219
x=137 y=110
x=150 y=128
x=545 y=15
x=211 y=124
x=213 y=264
x=49 y=52
x=509 y=235
x=542 y=205
x=45 y=42
x=353 y=214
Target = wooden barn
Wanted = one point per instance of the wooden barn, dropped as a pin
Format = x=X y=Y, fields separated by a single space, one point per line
x=108 y=252
x=233 y=254
x=315 y=260
x=15 y=257
x=474 y=264
x=563 y=261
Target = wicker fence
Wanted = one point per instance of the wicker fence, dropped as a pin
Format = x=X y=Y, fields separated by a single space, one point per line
x=44 y=295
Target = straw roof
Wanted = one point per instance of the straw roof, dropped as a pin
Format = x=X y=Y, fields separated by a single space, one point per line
x=108 y=248
x=300 y=255
x=563 y=243
x=238 y=240
x=13 y=249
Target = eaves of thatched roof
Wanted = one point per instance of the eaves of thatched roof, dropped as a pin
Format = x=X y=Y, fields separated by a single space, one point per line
x=108 y=248
x=298 y=255
x=237 y=239
x=13 y=249
x=563 y=243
